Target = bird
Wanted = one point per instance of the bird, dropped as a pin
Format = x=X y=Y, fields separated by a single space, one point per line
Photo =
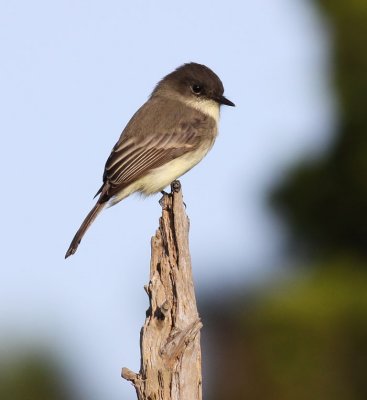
x=168 y=135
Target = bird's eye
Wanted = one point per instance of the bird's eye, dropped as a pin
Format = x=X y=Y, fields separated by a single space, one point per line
x=196 y=89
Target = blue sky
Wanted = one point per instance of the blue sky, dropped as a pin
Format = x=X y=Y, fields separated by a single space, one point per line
x=72 y=73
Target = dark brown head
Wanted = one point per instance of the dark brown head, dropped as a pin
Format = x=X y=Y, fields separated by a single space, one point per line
x=193 y=82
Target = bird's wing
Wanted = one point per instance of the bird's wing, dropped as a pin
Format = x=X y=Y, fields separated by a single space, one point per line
x=134 y=155
x=132 y=160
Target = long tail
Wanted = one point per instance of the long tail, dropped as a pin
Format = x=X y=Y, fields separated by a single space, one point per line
x=83 y=228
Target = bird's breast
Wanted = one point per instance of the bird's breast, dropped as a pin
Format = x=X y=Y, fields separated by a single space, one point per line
x=160 y=177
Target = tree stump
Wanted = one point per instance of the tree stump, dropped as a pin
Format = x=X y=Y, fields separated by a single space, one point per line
x=170 y=366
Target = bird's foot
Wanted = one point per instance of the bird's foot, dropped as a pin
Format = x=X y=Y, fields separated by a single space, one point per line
x=176 y=186
x=163 y=200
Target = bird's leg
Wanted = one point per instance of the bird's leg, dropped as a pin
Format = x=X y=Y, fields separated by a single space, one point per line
x=176 y=186
x=162 y=201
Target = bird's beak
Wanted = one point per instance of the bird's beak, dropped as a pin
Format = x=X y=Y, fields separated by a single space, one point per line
x=225 y=101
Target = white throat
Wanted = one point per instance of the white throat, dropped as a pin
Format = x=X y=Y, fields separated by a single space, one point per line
x=208 y=107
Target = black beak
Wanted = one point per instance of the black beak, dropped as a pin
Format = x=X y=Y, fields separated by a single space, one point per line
x=225 y=101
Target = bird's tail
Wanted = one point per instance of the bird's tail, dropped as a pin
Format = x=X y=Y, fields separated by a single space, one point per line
x=83 y=228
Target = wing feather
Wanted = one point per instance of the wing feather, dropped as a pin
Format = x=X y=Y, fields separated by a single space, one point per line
x=138 y=152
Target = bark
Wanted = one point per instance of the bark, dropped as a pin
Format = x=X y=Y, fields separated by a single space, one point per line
x=170 y=338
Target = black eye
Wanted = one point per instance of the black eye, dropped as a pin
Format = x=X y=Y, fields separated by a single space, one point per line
x=196 y=89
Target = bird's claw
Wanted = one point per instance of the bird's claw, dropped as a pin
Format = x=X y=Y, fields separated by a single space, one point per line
x=176 y=186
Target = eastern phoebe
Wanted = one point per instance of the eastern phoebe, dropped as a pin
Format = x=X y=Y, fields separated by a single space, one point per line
x=165 y=138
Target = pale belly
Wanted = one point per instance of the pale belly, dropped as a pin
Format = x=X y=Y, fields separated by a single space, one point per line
x=156 y=180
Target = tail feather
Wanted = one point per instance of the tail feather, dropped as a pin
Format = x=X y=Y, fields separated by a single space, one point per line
x=84 y=227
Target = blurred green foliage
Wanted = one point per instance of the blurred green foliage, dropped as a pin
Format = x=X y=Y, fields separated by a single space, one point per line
x=300 y=340
x=31 y=377
x=307 y=337
x=325 y=201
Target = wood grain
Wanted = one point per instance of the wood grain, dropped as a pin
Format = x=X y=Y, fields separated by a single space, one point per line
x=170 y=338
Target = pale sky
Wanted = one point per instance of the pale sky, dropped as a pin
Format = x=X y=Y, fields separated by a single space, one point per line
x=72 y=73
